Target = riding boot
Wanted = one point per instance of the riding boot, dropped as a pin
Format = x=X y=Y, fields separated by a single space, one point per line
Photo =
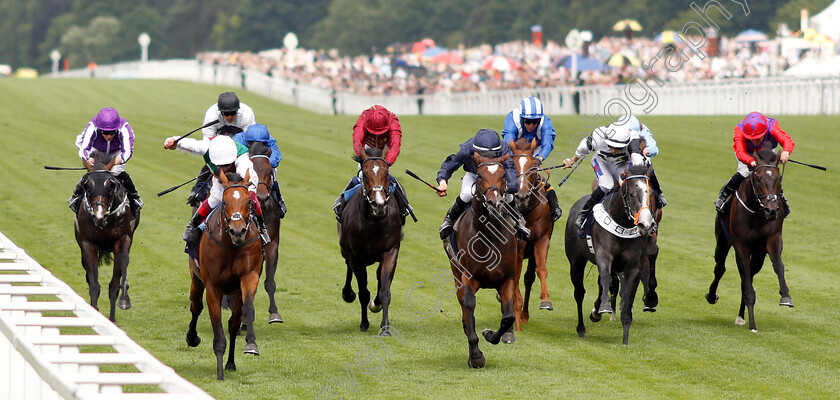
x=657 y=190
x=452 y=215
x=551 y=195
x=136 y=203
x=338 y=206
x=200 y=189
x=595 y=198
x=192 y=234
x=730 y=187
x=785 y=205
x=522 y=232
x=76 y=197
x=402 y=200
x=278 y=198
x=264 y=238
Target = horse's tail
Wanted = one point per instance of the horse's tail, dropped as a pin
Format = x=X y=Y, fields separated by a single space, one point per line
x=105 y=256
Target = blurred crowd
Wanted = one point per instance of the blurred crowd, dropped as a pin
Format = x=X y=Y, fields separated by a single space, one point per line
x=423 y=68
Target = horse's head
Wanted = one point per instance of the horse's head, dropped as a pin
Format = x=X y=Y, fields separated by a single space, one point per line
x=766 y=182
x=375 y=179
x=100 y=189
x=236 y=206
x=260 y=153
x=490 y=184
x=637 y=196
x=527 y=170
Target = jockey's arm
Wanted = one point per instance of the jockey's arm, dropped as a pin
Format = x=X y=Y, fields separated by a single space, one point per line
x=188 y=145
x=547 y=141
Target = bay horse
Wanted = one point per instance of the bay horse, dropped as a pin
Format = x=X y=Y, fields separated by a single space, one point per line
x=260 y=153
x=483 y=253
x=370 y=231
x=229 y=262
x=752 y=224
x=533 y=205
x=105 y=231
x=627 y=211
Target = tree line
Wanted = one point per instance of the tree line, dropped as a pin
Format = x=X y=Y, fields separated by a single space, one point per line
x=105 y=32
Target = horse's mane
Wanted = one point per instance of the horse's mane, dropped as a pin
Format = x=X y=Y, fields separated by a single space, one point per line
x=637 y=170
x=522 y=144
x=259 y=148
x=229 y=130
x=233 y=177
x=100 y=160
x=371 y=152
x=766 y=156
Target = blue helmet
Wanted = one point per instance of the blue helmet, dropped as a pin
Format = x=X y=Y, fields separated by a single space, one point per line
x=531 y=108
x=487 y=143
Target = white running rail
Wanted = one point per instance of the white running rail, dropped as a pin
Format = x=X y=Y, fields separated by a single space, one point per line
x=38 y=360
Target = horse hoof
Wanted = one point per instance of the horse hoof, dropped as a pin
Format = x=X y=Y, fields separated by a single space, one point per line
x=594 y=317
x=477 y=362
x=124 y=304
x=649 y=309
x=498 y=297
x=710 y=299
x=230 y=367
x=754 y=330
x=275 y=318
x=374 y=308
x=384 y=332
x=508 y=337
x=740 y=321
x=193 y=342
x=607 y=309
x=612 y=316
x=348 y=296
x=786 y=301
x=364 y=326
x=546 y=305
x=251 y=348
x=650 y=300
x=487 y=333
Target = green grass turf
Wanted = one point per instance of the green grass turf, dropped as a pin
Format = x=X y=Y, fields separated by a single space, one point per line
x=688 y=349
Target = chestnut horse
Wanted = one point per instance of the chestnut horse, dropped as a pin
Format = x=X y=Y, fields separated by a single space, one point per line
x=483 y=253
x=104 y=231
x=534 y=207
x=629 y=212
x=259 y=157
x=752 y=224
x=229 y=262
x=370 y=231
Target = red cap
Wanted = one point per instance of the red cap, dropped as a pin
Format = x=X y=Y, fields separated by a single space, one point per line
x=755 y=125
x=378 y=120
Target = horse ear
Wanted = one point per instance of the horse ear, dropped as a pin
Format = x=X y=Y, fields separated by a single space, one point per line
x=512 y=145
x=533 y=144
x=778 y=157
x=504 y=158
x=362 y=152
x=477 y=157
x=110 y=164
x=385 y=151
x=223 y=178
x=247 y=176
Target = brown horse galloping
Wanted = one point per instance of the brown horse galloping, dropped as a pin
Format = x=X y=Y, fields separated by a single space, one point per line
x=230 y=261
x=753 y=225
x=104 y=231
x=533 y=205
x=271 y=214
x=486 y=253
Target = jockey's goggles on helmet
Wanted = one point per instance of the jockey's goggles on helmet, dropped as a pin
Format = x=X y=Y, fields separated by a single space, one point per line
x=228 y=113
x=103 y=132
x=530 y=121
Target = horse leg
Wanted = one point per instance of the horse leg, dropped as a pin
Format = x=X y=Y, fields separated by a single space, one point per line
x=387 y=267
x=604 y=279
x=530 y=277
x=629 y=287
x=540 y=257
x=196 y=305
x=234 y=323
x=576 y=273
x=364 y=294
x=517 y=296
x=347 y=293
x=774 y=248
x=650 y=298
x=122 y=257
x=90 y=262
x=594 y=315
x=466 y=296
x=507 y=292
x=271 y=250
x=742 y=256
x=214 y=308
x=616 y=282
x=248 y=286
x=721 y=251
x=114 y=288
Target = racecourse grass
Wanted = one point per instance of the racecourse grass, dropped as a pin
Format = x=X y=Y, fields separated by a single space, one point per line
x=688 y=349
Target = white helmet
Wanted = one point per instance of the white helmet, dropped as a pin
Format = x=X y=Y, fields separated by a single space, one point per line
x=617 y=136
x=222 y=150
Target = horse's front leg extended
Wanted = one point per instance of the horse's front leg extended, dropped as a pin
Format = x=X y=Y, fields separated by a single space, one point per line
x=196 y=305
x=742 y=257
x=271 y=252
x=364 y=294
x=774 y=249
x=214 y=308
x=248 y=285
x=122 y=253
x=721 y=251
x=387 y=268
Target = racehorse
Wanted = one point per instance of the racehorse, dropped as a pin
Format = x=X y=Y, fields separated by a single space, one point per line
x=533 y=205
x=619 y=249
x=229 y=262
x=259 y=157
x=752 y=224
x=483 y=253
x=104 y=231
x=370 y=231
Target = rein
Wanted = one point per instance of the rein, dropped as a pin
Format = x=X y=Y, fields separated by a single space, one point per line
x=376 y=188
x=261 y=182
x=627 y=209
x=534 y=188
x=224 y=220
x=109 y=205
x=769 y=196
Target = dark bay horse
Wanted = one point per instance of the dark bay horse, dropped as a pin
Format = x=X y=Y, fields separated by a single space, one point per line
x=104 y=231
x=628 y=212
x=752 y=225
x=370 y=231
x=483 y=253
x=229 y=262
x=259 y=157
x=533 y=205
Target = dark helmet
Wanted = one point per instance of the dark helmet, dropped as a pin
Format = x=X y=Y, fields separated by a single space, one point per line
x=487 y=143
x=228 y=102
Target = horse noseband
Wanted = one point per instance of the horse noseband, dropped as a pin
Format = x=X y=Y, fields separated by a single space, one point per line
x=767 y=197
x=630 y=214
x=377 y=188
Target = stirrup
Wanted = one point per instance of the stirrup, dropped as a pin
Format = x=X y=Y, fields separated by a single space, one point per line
x=264 y=238
x=556 y=214
x=522 y=232
x=720 y=205
x=445 y=228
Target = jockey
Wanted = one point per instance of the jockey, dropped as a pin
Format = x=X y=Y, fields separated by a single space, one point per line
x=222 y=155
x=530 y=122
x=616 y=148
x=755 y=132
x=259 y=133
x=376 y=127
x=649 y=150
x=233 y=117
x=98 y=136
x=487 y=144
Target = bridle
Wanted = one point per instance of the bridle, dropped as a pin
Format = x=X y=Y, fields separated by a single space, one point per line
x=760 y=199
x=237 y=216
x=625 y=192
x=89 y=205
x=533 y=170
x=267 y=184
x=376 y=188
x=482 y=196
